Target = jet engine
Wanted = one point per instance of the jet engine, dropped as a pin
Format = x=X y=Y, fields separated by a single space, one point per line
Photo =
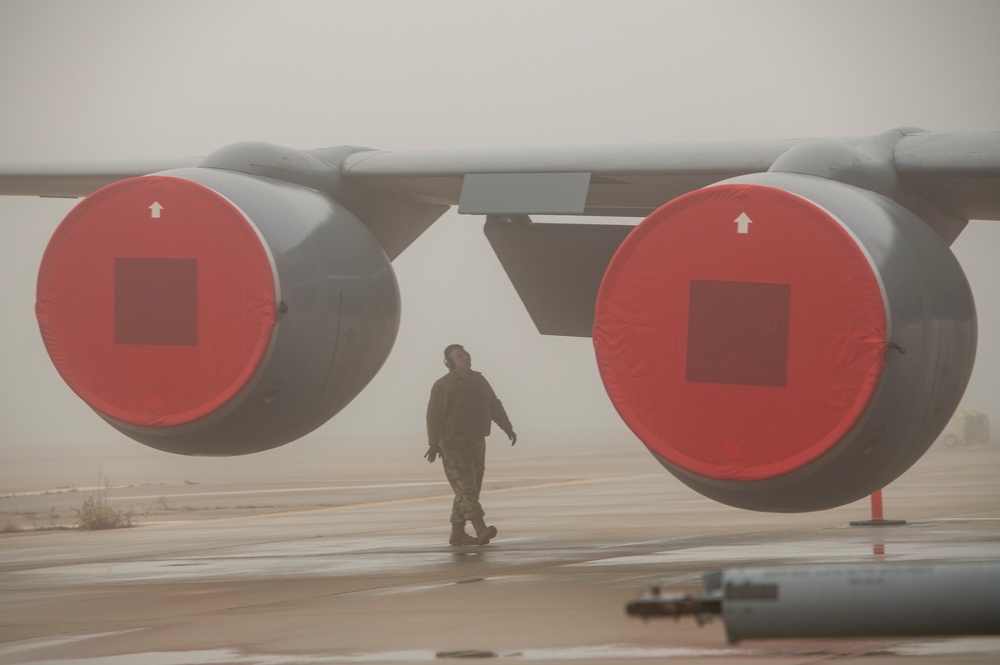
x=207 y=311
x=784 y=342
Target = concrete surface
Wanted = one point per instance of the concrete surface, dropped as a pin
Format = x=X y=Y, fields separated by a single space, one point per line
x=352 y=565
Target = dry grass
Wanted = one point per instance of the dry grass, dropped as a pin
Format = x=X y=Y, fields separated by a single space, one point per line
x=96 y=514
x=10 y=527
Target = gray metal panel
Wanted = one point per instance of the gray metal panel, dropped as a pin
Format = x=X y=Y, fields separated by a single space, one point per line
x=556 y=269
x=524 y=193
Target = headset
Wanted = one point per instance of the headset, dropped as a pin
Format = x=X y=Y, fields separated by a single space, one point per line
x=448 y=362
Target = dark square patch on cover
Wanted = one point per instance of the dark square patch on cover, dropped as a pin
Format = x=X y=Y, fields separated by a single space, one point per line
x=156 y=301
x=738 y=333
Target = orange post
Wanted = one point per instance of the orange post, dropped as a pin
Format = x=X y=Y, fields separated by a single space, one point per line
x=877 y=506
x=877 y=519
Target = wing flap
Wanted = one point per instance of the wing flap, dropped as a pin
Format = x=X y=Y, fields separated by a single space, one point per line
x=556 y=269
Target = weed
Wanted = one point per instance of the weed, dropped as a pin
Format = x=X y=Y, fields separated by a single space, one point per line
x=96 y=514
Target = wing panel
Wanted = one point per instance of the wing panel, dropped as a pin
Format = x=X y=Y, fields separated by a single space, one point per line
x=75 y=180
x=524 y=193
x=627 y=180
x=956 y=173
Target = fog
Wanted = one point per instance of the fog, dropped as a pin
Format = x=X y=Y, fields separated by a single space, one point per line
x=122 y=79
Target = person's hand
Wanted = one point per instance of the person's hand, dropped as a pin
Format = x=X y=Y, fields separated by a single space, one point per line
x=432 y=453
x=513 y=437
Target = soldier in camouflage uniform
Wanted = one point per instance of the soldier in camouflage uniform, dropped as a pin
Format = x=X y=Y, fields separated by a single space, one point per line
x=459 y=414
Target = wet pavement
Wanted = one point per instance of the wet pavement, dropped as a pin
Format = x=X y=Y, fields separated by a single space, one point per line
x=358 y=570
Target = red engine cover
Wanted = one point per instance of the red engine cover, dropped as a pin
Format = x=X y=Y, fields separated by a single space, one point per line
x=740 y=331
x=156 y=301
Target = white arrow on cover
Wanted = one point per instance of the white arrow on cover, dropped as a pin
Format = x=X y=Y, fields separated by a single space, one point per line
x=743 y=223
x=155 y=208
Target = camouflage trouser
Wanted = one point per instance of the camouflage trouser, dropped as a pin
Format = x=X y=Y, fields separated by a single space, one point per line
x=464 y=463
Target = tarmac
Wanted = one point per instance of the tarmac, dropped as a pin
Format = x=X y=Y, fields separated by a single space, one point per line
x=352 y=565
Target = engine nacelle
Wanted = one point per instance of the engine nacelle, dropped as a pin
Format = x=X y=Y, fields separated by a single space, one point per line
x=210 y=312
x=784 y=342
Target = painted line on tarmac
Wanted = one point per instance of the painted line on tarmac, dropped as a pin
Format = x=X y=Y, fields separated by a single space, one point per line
x=282 y=490
x=374 y=504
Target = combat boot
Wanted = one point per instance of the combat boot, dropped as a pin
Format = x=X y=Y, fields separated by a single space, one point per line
x=484 y=534
x=460 y=537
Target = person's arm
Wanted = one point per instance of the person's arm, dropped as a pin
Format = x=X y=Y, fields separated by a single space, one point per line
x=437 y=407
x=499 y=416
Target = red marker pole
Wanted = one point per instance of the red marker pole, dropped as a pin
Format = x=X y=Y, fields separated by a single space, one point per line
x=877 y=519
x=877 y=506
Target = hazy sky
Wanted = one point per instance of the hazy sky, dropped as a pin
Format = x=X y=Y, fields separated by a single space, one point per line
x=124 y=79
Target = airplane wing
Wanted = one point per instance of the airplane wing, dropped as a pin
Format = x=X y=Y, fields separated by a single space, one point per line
x=959 y=172
x=625 y=179
x=947 y=179
x=75 y=180
x=785 y=330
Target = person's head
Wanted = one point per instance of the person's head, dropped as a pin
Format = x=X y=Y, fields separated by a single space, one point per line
x=457 y=358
